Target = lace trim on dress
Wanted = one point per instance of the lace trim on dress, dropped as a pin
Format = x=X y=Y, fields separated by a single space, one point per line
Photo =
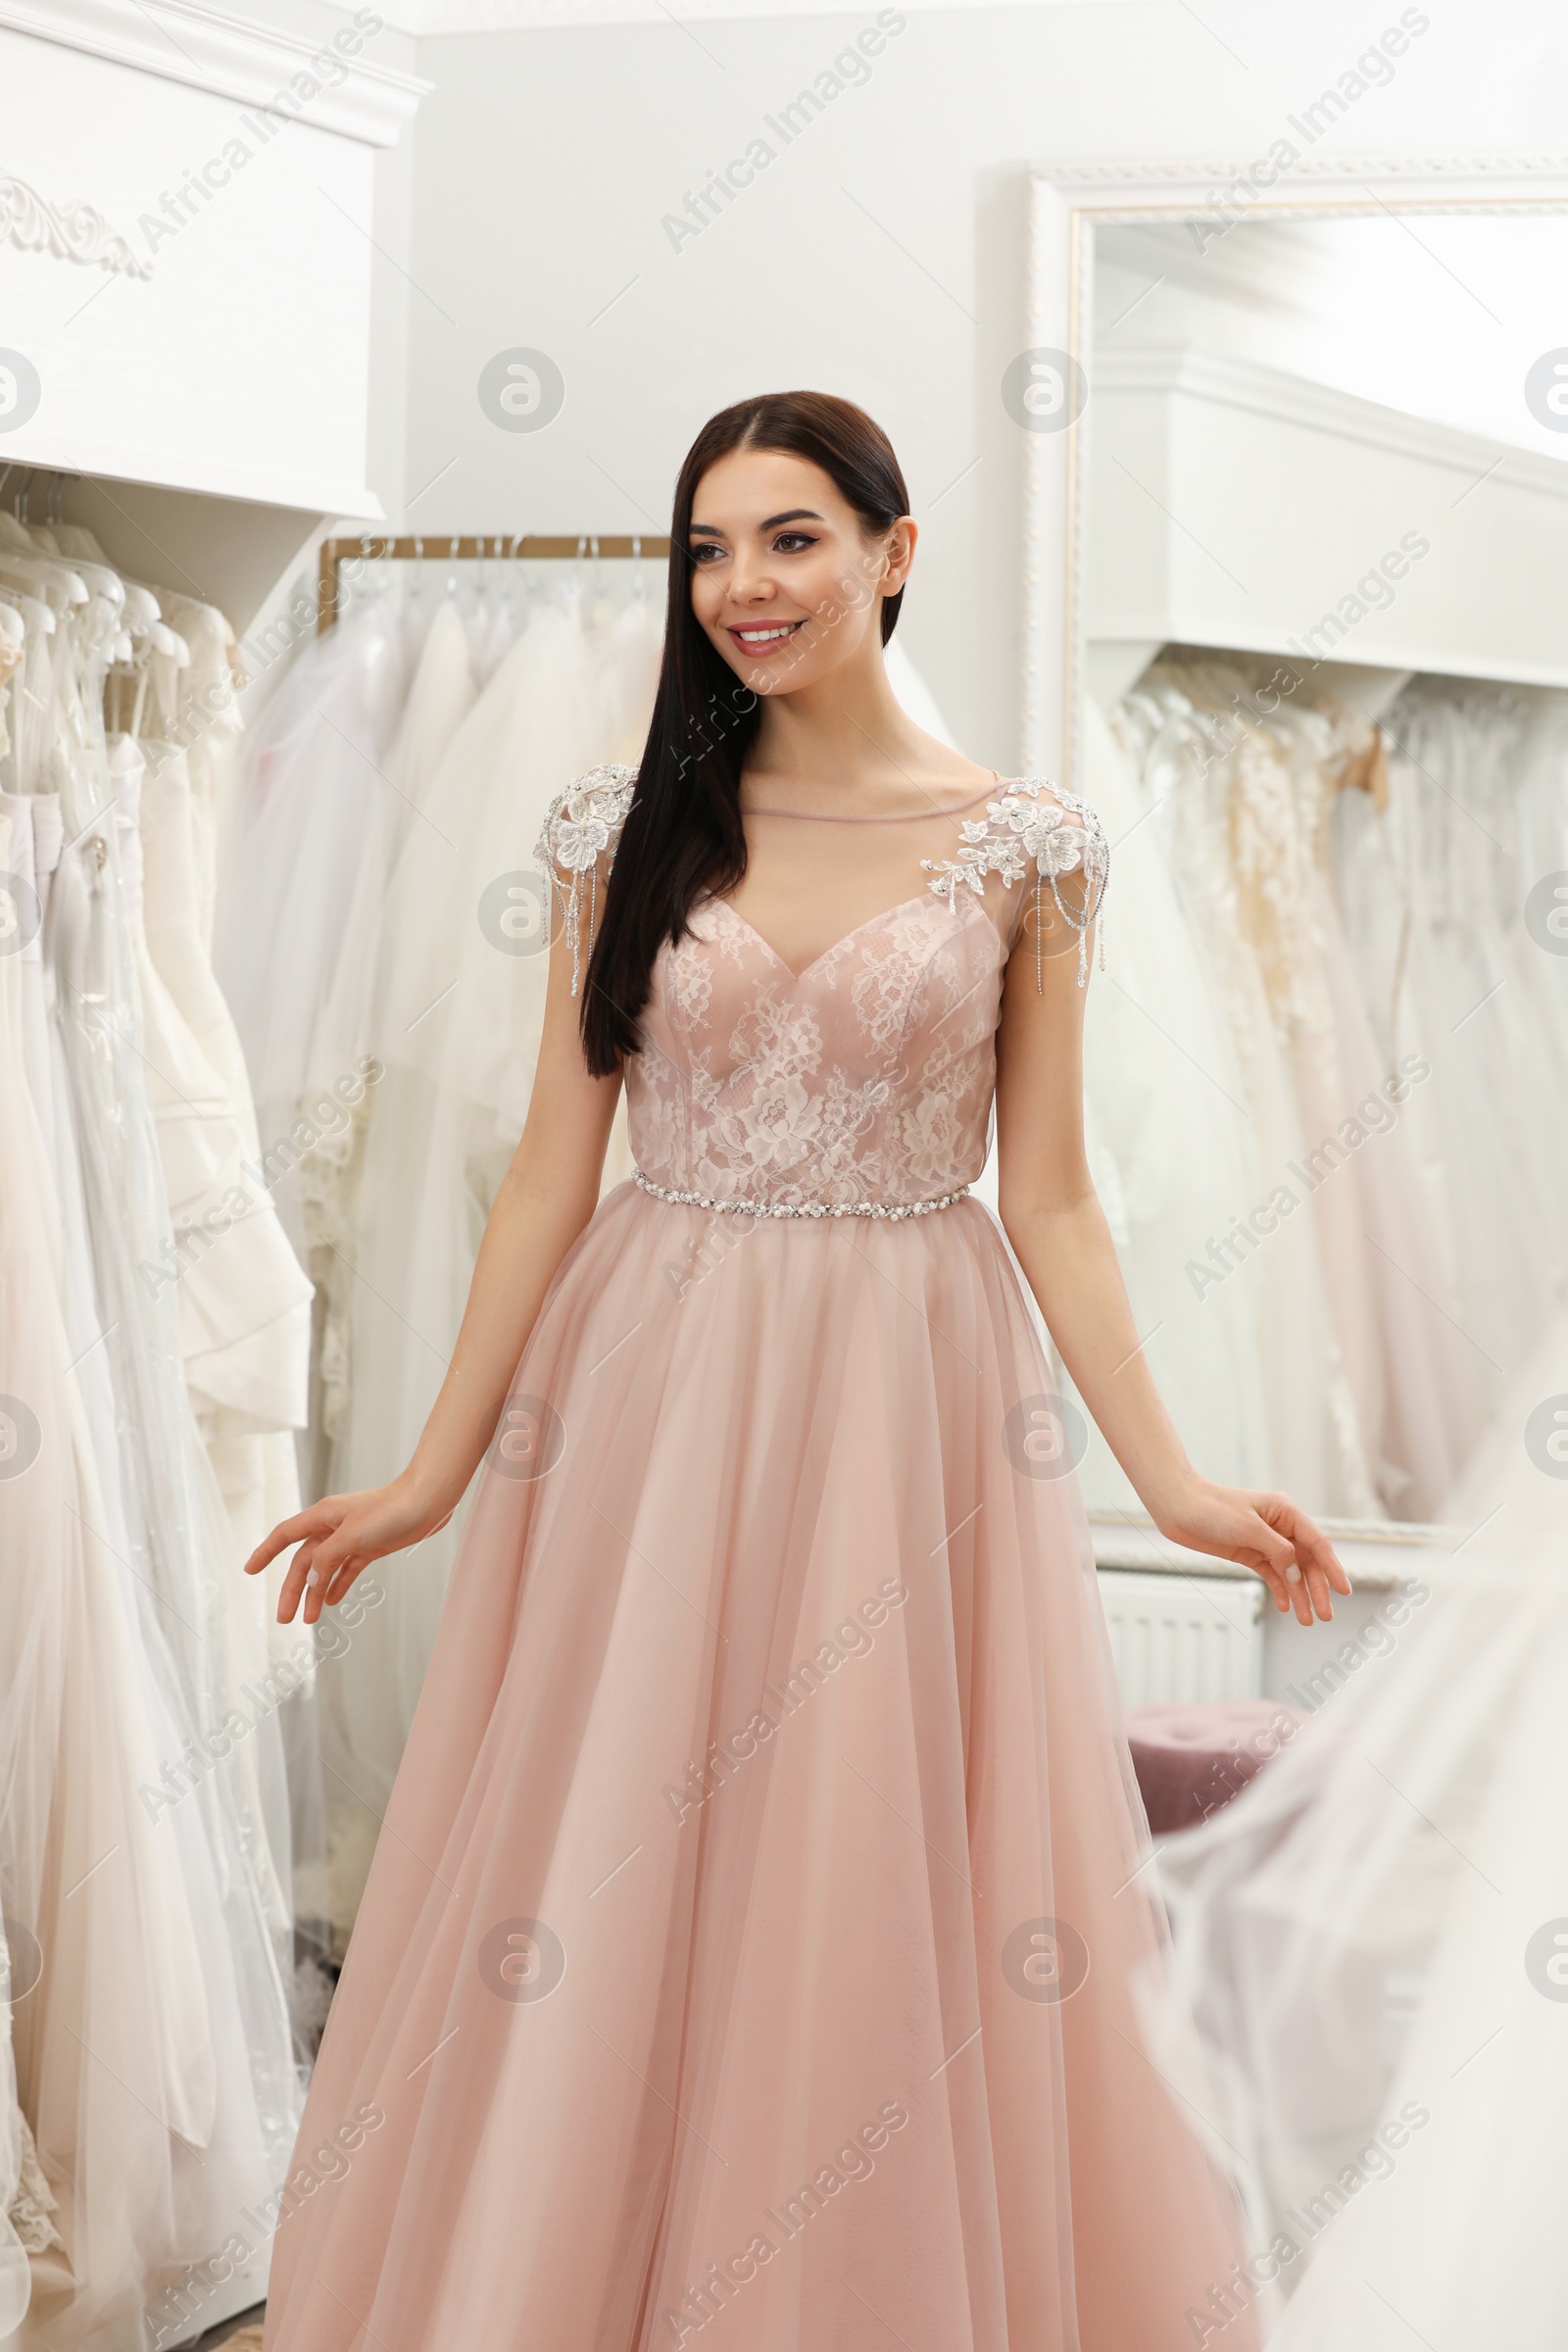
x=580 y=823
x=1018 y=827
x=1059 y=836
x=32 y=2201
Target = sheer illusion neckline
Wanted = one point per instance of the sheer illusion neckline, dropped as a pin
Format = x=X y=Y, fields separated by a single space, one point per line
x=912 y=816
x=882 y=914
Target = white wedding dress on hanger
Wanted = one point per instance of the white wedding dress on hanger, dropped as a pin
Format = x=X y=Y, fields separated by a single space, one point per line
x=441 y=696
x=1167 y=1127
x=458 y=1024
x=1432 y=895
x=1224 y=821
x=1411 y=1370
x=310 y=785
x=228 y=2138
x=108 y=2015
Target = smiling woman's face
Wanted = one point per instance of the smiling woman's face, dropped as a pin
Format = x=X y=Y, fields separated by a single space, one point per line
x=784 y=579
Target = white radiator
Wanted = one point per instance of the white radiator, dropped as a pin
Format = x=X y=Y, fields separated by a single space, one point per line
x=1184 y=1639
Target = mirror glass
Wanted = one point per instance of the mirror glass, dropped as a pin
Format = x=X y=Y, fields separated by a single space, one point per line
x=1325 y=718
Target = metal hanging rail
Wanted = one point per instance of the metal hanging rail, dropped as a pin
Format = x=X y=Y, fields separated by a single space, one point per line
x=495 y=547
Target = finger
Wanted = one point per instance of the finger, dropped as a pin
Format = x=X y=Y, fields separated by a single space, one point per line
x=1325 y=1572
x=1289 y=1530
x=1269 y=1574
x=1313 y=1546
x=1256 y=1557
x=1318 y=1585
x=1295 y=1582
x=287 y=1531
x=316 y=1584
x=1313 y=1549
x=1280 y=1554
x=294 y=1583
x=327 y=1581
x=1332 y=1566
x=342 y=1579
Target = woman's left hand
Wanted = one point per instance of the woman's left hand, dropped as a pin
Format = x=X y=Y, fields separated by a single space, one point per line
x=1266 y=1533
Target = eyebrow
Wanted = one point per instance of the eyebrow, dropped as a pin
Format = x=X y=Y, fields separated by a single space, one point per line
x=711 y=531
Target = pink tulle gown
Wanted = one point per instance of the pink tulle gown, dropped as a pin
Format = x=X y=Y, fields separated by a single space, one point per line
x=746 y=1957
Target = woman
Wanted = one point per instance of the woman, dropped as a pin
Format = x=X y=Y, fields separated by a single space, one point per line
x=748 y=1953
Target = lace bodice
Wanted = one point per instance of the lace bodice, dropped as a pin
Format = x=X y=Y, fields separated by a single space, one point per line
x=870 y=1074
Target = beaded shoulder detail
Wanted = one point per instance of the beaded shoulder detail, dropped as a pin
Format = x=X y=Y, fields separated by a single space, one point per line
x=1034 y=823
x=580 y=825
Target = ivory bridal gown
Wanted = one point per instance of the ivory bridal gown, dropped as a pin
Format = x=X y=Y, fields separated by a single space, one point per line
x=750 y=1954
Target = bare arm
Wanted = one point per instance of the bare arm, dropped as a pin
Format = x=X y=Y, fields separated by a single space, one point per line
x=1058 y=1233
x=546 y=1198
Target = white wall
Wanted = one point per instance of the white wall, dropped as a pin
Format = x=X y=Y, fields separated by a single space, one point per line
x=881 y=255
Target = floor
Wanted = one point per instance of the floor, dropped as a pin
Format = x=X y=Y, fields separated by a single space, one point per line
x=227 y=2327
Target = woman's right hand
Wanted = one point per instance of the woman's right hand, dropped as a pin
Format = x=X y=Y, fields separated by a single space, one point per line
x=338 y=1537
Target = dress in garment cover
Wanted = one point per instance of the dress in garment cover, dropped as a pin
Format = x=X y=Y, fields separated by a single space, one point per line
x=748 y=1957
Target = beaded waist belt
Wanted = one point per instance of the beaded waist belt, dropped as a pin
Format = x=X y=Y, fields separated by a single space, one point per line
x=892 y=1210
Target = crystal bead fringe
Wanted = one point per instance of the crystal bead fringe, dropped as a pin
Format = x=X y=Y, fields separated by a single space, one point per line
x=893 y=1210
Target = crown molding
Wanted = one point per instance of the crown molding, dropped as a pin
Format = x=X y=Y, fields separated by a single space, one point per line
x=1231 y=381
x=186 y=41
x=1311 y=182
x=432 y=20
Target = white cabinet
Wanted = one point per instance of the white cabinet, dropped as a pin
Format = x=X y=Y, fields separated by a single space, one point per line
x=185 y=248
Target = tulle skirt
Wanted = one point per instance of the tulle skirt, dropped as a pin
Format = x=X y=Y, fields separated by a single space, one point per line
x=749 y=1951
x=1373 y=1937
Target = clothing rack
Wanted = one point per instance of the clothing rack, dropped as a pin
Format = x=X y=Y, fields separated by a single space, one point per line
x=491 y=548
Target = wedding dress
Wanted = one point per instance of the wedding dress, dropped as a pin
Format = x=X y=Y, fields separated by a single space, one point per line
x=1432 y=893
x=244 y=1303
x=766 y=1801
x=107 y=2011
x=442 y=693
x=310 y=784
x=1410 y=1369
x=223 y=2128
x=1230 y=825
x=459 y=1012
x=1165 y=1124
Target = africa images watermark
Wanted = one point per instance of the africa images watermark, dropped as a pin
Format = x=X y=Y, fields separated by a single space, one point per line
x=1237 y=2295
x=849 y=70
x=1375 y=591
x=1373 y=70
x=197 y=188
x=853 y=1639
x=283 y=1680
x=179 y=2311
x=323 y=1114
x=1373 y=1114
x=721 y=2283
x=1373 y=1639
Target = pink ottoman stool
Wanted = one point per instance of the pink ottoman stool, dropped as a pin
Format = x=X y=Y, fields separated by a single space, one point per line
x=1191 y=1761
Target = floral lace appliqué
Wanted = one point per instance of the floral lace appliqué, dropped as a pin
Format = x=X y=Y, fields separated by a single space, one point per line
x=1059 y=836
x=580 y=825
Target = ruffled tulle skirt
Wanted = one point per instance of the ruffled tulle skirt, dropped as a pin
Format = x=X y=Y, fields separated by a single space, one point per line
x=748 y=1954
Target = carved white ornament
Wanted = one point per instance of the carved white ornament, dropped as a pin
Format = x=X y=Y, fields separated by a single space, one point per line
x=72 y=232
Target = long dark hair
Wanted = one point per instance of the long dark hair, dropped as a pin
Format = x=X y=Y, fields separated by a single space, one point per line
x=683 y=832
